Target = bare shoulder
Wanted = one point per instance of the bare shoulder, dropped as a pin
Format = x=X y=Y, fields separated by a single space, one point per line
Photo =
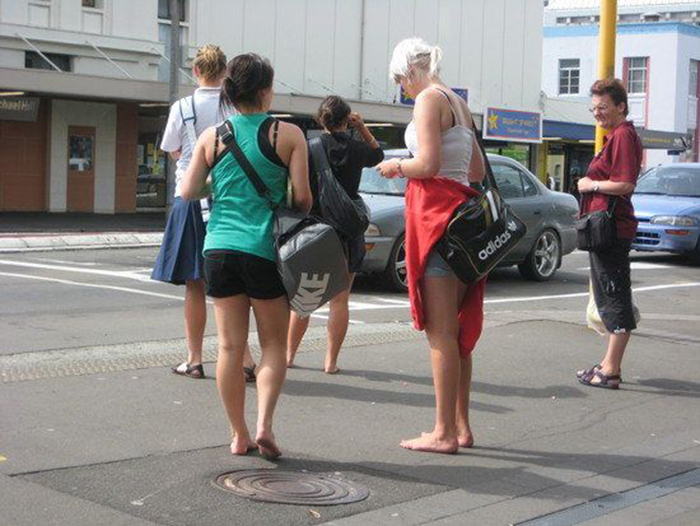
x=291 y=132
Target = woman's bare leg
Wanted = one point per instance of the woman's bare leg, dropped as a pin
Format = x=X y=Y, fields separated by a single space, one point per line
x=464 y=432
x=297 y=329
x=338 y=322
x=272 y=320
x=232 y=315
x=195 y=319
x=440 y=300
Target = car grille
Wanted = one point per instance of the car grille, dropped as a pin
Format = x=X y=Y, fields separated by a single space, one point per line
x=647 y=238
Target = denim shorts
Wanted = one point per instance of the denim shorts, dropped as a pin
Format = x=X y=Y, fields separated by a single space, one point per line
x=436 y=266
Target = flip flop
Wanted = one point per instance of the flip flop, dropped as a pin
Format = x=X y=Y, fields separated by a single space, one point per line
x=190 y=371
x=249 y=373
x=587 y=372
x=606 y=382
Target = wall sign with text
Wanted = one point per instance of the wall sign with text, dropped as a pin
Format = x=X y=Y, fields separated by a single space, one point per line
x=512 y=125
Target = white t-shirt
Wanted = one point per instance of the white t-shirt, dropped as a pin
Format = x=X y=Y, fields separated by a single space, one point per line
x=207 y=112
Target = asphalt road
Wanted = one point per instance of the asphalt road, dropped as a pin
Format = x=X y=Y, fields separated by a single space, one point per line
x=64 y=300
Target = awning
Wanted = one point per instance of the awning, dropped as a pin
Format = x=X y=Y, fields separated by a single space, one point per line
x=568 y=130
x=660 y=140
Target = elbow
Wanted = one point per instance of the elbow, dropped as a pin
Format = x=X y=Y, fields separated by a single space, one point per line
x=186 y=192
x=304 y=204
x=429 y=169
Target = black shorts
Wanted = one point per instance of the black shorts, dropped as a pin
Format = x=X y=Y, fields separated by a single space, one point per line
x=612 y=287
x=229 y=273
x=355 y=252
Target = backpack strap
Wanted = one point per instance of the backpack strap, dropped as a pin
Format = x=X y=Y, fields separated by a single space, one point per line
x=189 y=117
x=228 y=138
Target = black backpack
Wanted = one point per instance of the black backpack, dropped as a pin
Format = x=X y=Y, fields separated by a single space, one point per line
x=350 y=217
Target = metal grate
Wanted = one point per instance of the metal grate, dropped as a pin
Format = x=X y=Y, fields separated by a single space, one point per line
x=616 y=501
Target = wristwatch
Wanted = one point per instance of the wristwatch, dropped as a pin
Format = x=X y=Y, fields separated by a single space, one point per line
x=399 y=169
x=596 y=186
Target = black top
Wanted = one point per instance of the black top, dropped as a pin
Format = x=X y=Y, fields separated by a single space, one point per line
x=347 y=157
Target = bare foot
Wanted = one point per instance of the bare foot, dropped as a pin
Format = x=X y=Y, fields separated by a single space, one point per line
x=267 y=446
x=241 y=446
x=290 y=365
x=429 y=443
x=331 y=368
x=465 y=439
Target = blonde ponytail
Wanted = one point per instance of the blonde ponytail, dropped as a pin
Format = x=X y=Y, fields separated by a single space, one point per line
x=210 y=61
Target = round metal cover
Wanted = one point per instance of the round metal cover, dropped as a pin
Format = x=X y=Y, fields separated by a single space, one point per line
x=291 y=487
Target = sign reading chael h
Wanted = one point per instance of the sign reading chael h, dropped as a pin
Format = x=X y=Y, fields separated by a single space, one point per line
x=19 y=108
x=512 y=125
x=408 y=101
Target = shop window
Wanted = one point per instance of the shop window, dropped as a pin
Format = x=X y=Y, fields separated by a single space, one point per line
x=569 y=76
x=636 y=77
x=33 y=60
x=164 y=10
x=80 y=153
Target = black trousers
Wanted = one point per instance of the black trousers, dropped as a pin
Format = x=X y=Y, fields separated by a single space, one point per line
x=612 y=287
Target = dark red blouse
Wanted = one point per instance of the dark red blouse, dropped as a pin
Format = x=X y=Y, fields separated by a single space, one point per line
x=619 y=161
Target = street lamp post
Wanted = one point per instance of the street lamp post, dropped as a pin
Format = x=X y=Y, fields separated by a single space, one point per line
x=606 y=53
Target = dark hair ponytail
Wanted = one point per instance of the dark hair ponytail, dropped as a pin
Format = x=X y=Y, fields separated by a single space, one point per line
x=247 y=76
x=333 y=112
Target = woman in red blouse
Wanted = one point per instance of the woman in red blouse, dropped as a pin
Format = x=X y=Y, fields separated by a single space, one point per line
x=612 y=175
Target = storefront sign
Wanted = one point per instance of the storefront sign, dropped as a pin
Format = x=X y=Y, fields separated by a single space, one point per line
x=408 y=101
x=511 y=125
x=19 y=108
x=660 y=140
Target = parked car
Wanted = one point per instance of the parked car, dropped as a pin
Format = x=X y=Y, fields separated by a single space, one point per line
x=549 y=217
x=667 y=206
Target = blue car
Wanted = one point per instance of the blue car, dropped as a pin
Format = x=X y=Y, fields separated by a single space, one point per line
x=667 y=206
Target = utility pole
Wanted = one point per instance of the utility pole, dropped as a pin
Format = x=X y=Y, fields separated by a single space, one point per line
x=175 y=60
x=606 y=53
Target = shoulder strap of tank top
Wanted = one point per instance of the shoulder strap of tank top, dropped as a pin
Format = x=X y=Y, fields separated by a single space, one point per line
x=449 y=102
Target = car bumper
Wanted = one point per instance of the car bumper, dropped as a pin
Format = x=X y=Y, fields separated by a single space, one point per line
x=378 y=253
x=665 y=238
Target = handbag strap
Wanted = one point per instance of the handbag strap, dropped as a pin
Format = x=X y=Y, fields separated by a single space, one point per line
x=318 y=154
x=228 y=137
x=489 y=179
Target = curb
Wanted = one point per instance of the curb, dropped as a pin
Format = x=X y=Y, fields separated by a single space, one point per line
x=56 y=241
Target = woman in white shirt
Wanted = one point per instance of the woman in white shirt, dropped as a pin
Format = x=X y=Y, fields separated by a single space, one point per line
x=180 y=259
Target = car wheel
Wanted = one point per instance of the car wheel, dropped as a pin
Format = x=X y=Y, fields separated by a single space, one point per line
x=396 y=269
x=694 y=256
x=544 y=258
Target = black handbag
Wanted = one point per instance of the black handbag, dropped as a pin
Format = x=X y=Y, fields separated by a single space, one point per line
x=482 y=230
x=310 y=257
x=348 y=216
x=597 y=231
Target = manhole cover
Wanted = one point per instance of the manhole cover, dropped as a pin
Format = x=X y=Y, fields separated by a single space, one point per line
x=290 y=487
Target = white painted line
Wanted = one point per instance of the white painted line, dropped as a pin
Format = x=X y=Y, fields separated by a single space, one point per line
x=111 y=273
x=638 y=265
x=83 y=263
x=396 y=302
x=93 y=286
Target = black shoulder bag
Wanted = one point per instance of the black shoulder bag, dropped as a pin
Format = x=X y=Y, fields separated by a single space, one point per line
x=310 y=256
x=597 y=231
x=482 y=231
x=348 y=216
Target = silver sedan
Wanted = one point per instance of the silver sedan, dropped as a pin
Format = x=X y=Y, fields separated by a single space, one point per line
x=549 y=217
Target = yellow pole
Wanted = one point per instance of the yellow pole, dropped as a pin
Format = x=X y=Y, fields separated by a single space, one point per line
x=606 y=53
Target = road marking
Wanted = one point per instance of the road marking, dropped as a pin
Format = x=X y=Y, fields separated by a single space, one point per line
x=638 y=265
x=2 y=459
x=128 y=274
x=84 y=263
x=93 y=286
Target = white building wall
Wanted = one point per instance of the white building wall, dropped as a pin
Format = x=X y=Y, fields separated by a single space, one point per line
x=669 y=54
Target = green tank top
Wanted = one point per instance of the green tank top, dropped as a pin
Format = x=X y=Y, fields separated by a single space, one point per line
x=240 y=219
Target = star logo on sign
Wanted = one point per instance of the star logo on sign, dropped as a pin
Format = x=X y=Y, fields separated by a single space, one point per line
x=493 y=122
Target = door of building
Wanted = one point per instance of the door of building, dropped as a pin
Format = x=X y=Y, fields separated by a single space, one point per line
x=80 y=195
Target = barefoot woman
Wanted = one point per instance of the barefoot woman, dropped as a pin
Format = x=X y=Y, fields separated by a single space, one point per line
x=446 y=158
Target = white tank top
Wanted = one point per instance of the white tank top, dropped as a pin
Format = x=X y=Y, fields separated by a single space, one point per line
x=457 y=147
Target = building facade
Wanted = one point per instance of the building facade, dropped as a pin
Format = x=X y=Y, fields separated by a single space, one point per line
x=84 y=83
x=657 y=55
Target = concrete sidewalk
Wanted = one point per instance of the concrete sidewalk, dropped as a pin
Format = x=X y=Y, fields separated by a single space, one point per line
x=22 y=232
x=143 y=446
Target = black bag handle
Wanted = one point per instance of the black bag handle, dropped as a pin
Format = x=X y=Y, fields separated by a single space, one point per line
x=319 y=155
x=228 y=137
x=489 y=178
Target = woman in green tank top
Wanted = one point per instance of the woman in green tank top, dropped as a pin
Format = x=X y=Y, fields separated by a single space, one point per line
x=239 y=256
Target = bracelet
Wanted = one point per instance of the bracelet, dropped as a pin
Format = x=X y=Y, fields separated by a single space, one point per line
x=399 y=169
x=596 y=186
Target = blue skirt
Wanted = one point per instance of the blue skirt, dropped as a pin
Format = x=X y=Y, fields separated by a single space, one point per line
x=180 y=258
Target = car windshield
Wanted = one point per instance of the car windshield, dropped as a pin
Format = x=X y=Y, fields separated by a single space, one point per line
x=373 y=183
x=670 y=180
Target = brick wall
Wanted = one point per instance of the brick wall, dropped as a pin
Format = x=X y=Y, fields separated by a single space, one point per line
x=126 y=169
x=23 y=163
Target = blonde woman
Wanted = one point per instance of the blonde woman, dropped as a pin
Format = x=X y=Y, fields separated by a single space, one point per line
x=180 y=260
x=445 y=160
